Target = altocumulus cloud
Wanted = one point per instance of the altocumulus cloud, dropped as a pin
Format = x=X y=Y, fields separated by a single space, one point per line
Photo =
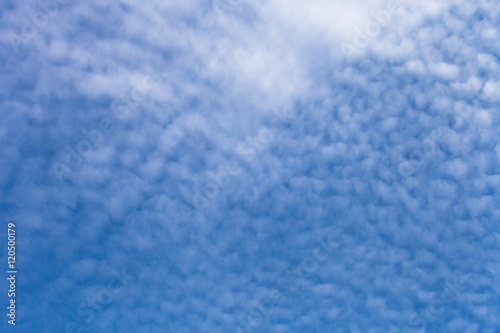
x=391 y=152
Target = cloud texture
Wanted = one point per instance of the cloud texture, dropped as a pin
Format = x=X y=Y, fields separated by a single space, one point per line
x=264 y=166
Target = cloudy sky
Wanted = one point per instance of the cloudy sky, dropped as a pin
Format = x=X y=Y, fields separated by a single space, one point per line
x=251 y=166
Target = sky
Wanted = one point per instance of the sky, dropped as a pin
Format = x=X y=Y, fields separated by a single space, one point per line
x=251 y=166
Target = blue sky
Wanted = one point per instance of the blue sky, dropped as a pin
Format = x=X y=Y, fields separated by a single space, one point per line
x=251 y=166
